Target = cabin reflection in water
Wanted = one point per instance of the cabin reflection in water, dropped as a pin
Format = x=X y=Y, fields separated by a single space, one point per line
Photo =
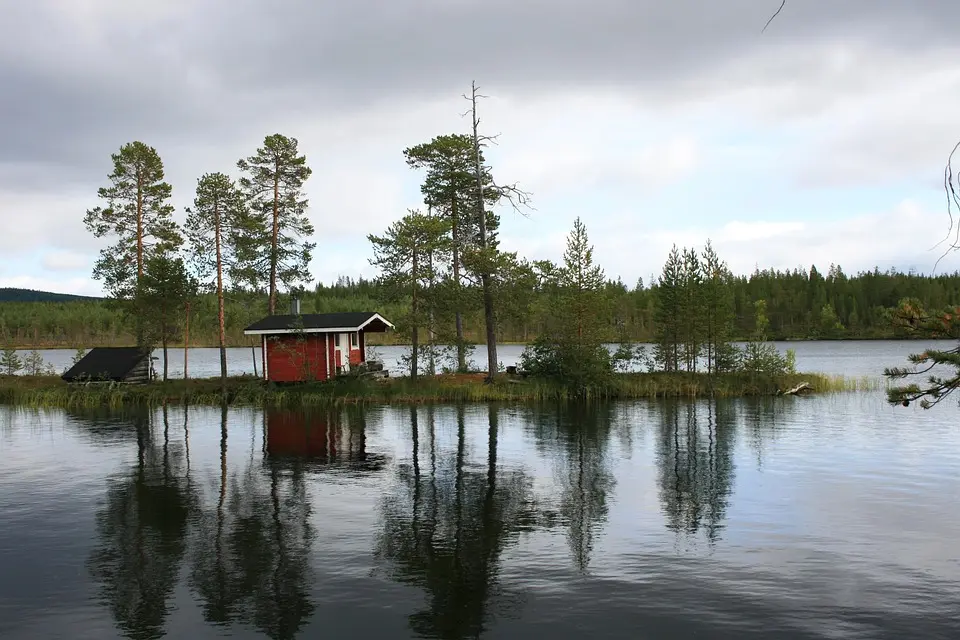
x=335 y=439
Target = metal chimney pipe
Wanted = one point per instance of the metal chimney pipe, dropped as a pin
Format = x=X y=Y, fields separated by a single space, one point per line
x=295 y=306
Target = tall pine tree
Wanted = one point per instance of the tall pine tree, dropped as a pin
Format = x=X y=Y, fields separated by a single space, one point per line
x=217 y=221
x=449 y=189
x=276 y=251
x=139 y=215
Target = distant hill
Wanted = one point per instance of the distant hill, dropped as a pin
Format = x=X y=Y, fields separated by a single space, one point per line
x=8 y=294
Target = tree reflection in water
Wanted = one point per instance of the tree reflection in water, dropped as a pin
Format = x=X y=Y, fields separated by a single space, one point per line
x=695 y=455
x=142 y=531
x=251 y=562
x=445 y=528
x=577 y=438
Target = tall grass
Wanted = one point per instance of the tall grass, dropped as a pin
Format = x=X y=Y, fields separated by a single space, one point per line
x=246 y=391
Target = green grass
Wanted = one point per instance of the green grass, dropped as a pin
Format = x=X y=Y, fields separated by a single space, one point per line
x=248 y=391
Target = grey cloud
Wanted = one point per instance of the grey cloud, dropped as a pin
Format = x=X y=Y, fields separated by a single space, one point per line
x=215 y=68
x=373 y=50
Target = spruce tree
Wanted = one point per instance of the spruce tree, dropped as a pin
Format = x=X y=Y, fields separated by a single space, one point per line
x=717 y=310
x=581 y=285
x=274 y=250
x=571 y=350
x=692 y=308
x=668 y=312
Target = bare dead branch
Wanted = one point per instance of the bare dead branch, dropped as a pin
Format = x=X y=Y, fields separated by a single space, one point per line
x=517 y=198
x=783 y=3
x=951 y=187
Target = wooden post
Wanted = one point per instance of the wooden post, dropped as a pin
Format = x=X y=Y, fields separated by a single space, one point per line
x=186 y=340
x=254 y=352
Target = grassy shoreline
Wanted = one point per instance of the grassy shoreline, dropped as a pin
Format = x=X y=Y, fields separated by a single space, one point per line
x=52 y=392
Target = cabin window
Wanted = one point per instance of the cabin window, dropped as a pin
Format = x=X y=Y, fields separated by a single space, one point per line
x=336 y=339
x=354 y=341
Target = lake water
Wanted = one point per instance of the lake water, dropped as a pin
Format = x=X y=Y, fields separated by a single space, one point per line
x=854 y=357
x=833 y=516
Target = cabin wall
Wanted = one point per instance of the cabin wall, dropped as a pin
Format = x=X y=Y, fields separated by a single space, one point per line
x=332 y=353
x=295 y=359
x=140 y=374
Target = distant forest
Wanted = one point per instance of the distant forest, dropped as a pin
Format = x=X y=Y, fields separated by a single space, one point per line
x=801 y=305
x=9 y=294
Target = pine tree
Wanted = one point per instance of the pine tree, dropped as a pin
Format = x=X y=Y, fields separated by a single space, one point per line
x=407 y=255
x=914 y=320
x=138 y=212
x=165 y=289
x=449 y=189
x=692 y=308
x=10 y=362
x=274 y=249
x=139 y=215
x=217 y=220
x=669 y=312
x=718 y=310
x=486 y=244
x=33 y=363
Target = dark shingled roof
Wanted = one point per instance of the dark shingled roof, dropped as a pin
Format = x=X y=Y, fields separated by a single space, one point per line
x=350 y=320
x=106 y=363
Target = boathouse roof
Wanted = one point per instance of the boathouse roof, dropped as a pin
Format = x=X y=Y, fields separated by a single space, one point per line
x=117 y=364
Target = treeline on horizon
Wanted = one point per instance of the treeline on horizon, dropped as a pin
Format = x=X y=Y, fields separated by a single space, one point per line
x=245 y=245
x=800 y=305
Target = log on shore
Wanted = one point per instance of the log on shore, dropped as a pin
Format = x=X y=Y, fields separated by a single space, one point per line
x=799 y=389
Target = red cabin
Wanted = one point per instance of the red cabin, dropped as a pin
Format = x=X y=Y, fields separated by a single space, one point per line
x=314 y=346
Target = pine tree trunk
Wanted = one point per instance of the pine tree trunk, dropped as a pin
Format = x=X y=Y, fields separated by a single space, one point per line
x=488 y=314
x=139 y=321
x=186 y=340
x=431 y=336
x=139 y=227
x=415 y=319
x=491 y=326
x=273 y=242
x=166 y=360
x=220 y=310
x=458 y=315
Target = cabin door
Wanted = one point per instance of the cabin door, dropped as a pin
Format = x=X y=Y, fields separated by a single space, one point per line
x=341 y=351
x=345 y=346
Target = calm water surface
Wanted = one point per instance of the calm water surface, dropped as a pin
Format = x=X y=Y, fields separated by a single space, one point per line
x=829 y=517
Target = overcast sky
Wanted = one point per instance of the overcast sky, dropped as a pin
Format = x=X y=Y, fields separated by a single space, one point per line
x=819 y=141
